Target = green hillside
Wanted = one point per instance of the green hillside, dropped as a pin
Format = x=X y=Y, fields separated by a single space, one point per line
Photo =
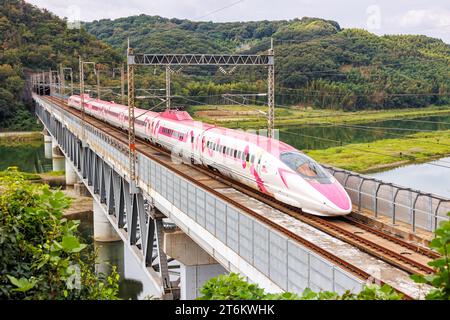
x=317 y=62
x=34 y=39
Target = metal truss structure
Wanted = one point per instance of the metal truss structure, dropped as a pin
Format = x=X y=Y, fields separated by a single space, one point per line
x=131 y=127
x=131 y=213
x=202 y=59
x=220 y=60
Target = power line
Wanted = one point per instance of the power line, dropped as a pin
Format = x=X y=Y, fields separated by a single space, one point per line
x=424 y=121
x=389 y=128
x=220 y=9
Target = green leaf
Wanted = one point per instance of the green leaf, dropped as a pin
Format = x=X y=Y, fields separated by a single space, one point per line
x=22 y=284
x=418 y=278
x=71 y=244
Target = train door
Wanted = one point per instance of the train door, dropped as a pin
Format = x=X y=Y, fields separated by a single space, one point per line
x=121 y=119
x=147 y=128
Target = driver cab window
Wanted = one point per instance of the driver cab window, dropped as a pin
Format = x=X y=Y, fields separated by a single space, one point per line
x=305 y=166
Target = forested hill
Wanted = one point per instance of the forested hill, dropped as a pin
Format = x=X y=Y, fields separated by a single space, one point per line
x=34 y=39
x=317 y=62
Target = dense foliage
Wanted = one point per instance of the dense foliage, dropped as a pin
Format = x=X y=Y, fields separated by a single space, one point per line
x=317 y=62
x=234 y=287
x=36 y=40
x=41 y=256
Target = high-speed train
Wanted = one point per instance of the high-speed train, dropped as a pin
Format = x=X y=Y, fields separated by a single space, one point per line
x=265 y=164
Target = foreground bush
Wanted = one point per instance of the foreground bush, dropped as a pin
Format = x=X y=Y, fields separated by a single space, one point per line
x=234 y=287
x=41 y=256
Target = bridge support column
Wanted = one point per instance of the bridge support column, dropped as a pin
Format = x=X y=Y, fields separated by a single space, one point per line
x=196 y=265
x=58 y=159
x=47 y=145
x=81 y=190
x=193 y=278
x=103 y=230
x=71 y=175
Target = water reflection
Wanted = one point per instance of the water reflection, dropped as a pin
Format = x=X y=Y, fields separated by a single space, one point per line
x=426 y=177
x=324 y=136
x=133 y=284
x=28 y=157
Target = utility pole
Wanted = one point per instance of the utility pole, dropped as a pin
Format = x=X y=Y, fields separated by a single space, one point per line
x=71 y=81
x=168 y=87
x=42 y=87
x=62 y=87
x=83 y=115
x=50 y=81
x=131 y=129
x=271 y=91
x=122 y=83
x=82 y=97
x=98 y=82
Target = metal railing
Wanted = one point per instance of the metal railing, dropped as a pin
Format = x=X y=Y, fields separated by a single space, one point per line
x=417 y=208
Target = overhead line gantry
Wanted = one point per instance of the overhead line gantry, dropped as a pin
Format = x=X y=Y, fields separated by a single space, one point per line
x=193 y=59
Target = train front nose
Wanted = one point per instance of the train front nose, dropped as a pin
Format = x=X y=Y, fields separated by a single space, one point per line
x=338 y=200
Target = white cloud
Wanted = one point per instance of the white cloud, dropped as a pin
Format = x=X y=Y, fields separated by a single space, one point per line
x=426 y=18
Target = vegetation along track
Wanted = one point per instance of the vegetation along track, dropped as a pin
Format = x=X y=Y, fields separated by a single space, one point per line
x=406 y=256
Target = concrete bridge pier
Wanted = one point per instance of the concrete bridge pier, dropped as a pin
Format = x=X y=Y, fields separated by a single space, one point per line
x=196 y=265
x=71 y=174
x=58 y=158
x=47 y=145
x=103 y=230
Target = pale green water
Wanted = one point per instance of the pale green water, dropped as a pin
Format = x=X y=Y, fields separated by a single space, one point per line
x=29 y=157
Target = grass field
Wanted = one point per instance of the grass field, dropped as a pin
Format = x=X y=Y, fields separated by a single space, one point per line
x=386 y=153
x=245 y=117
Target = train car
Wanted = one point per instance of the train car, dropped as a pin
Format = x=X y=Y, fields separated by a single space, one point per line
x=268 y=165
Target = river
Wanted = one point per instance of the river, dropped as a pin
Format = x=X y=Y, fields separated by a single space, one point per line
x=307 y=137
x=433 y=177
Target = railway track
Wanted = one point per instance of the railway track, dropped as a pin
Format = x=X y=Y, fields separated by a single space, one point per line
x=395 y=251
x=404 y=255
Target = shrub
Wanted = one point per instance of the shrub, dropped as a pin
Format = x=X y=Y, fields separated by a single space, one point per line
x=440 y=280
x=234 y=287
x=41 y=256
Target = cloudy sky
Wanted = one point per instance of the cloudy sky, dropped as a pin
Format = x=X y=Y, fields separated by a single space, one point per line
x=379 y=16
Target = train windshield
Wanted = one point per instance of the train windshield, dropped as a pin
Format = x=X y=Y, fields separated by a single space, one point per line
x=306 y=167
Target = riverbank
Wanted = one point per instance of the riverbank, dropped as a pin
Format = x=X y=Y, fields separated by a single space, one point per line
x=245 y=117
x=12 y=138
x=386 y=153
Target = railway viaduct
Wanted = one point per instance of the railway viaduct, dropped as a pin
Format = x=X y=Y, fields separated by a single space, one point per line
x=175 y=214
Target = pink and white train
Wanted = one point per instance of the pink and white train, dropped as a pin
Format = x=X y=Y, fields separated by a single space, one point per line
x=265 y=164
